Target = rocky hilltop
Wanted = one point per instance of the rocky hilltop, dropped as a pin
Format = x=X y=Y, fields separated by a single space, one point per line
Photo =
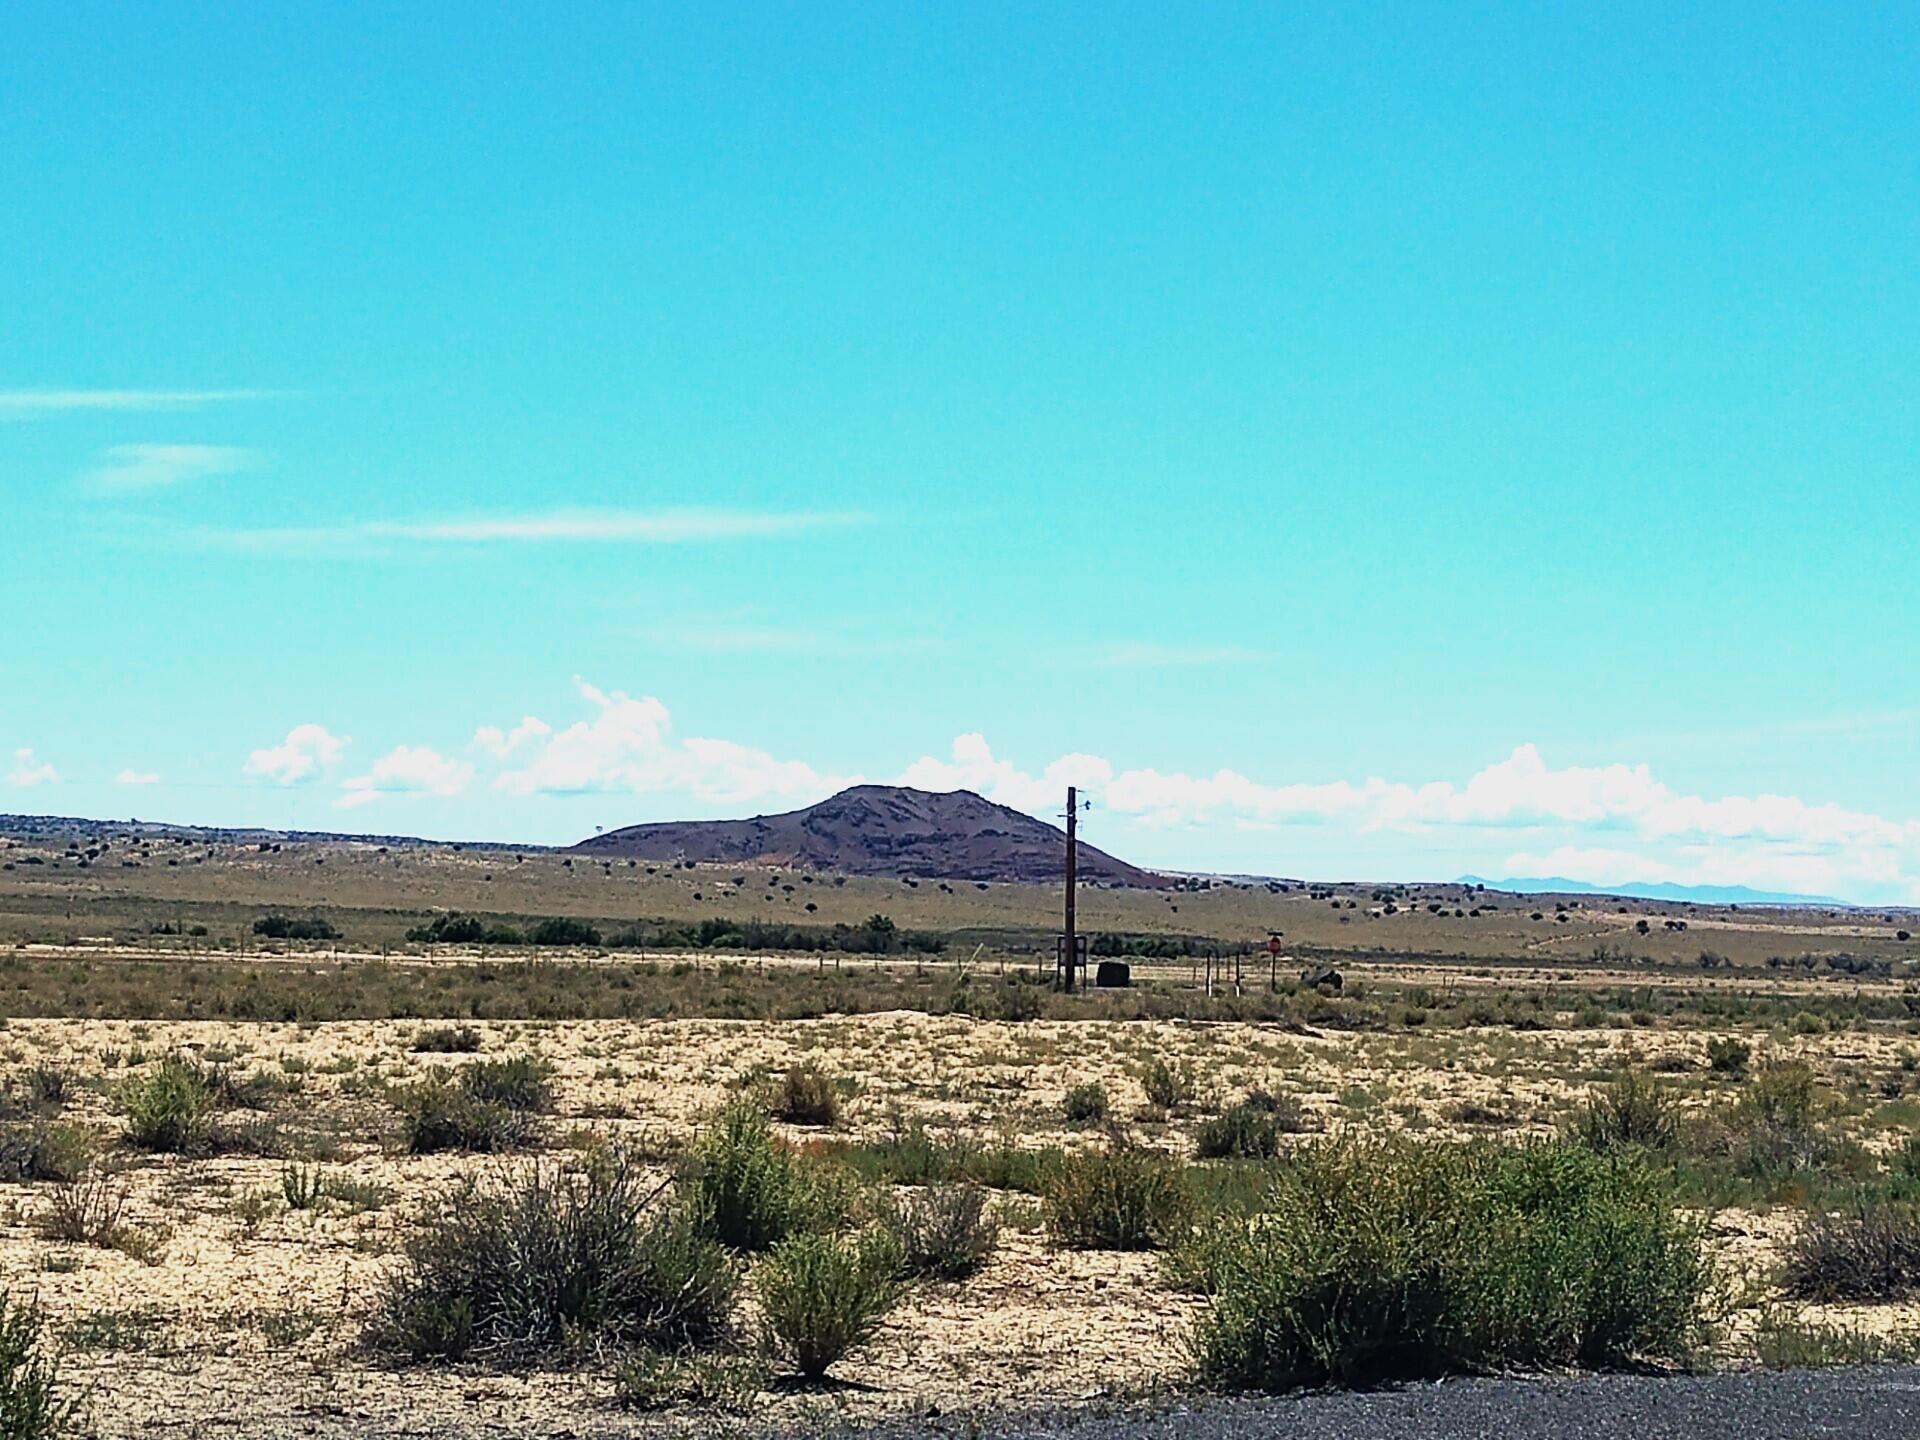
x=880 y=830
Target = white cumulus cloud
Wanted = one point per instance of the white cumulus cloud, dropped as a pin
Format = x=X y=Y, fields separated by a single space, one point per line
x=28 y=771
x=501 y=743
x=1608 y=824
x=973 y=766
x=407 y=770
x=307 y=750
x=1615 y=823
x=627 y=744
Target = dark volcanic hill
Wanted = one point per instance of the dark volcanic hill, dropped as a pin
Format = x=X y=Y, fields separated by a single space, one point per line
x=880 y=830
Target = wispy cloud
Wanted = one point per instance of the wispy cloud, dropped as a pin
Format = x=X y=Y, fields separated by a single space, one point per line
x=1149 y=655
x=33 y=404
x=132 y=469
x=748 y=638
x=662 y=527
x=1848 y=726
x=136 y=777
x=553 y=527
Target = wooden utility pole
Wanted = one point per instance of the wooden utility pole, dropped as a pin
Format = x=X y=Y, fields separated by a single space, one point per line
x=1073 y=878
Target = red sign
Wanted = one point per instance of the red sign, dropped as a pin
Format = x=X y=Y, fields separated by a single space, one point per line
x=1274 y=947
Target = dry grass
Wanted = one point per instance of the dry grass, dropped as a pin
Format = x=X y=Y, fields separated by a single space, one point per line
x=376 y=895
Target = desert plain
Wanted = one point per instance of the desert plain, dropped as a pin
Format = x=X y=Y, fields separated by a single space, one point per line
x=227 y=1286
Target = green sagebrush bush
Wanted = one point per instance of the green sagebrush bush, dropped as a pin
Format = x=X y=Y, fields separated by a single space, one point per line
x=486 y=1106
x=549 y=1261
x=1381 y=1261
x=944 y=1232
x=1728 y=1055
x=1774 y=1130
x=1168 y=1086
x=1249 y=1130
x=1086 y=1104
x=1122 y=1197
x=517 y=1083
x=446 y=1040
x=655 y=1380
x=748 y=1189
x=1869 y=1250
x=1634 y=1109
x=807 y=1097
x=821 y=1295
x=172 y=1107
x=441 y=1115
x=38 y=1151
x=31 y=1406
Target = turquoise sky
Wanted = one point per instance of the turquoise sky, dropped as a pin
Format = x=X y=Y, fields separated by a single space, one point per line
x=1388 y=442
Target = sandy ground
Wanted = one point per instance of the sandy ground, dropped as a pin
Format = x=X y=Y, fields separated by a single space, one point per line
x=244 y=1314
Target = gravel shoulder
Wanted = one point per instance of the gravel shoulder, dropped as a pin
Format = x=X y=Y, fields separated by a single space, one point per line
x=1869 y=1404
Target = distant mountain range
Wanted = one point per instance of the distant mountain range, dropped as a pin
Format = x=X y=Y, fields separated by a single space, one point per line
x=881 y=830
x=49 y=828
x=1684 y=894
